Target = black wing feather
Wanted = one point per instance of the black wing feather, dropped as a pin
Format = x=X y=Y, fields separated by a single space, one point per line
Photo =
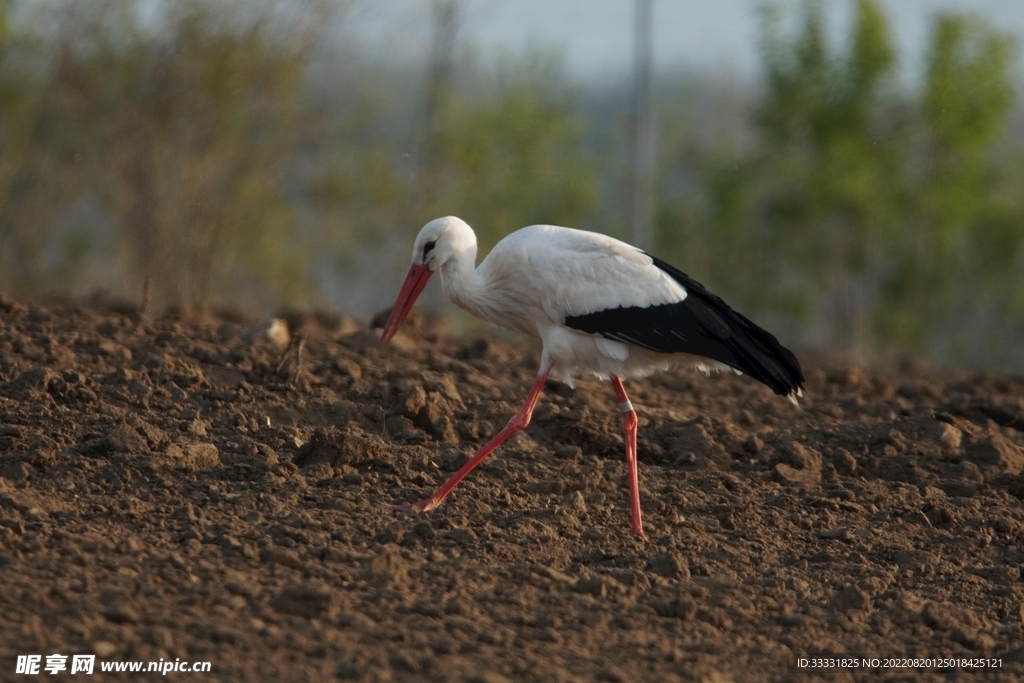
x=703 y=325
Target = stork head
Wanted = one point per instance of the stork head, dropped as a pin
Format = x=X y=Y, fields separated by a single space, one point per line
x=440 y=240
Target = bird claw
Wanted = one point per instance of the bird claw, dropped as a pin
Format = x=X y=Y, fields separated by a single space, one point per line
x=420 y=506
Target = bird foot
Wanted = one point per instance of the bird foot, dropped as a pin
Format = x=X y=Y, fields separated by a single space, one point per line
x=421 y=506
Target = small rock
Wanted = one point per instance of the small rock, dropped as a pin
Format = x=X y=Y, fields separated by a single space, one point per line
x=104 y=648
x=950 y=437
x=842 y=533
x=120 y=614
x=277 y=333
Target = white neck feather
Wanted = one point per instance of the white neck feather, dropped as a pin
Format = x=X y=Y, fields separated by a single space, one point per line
x=461 y=283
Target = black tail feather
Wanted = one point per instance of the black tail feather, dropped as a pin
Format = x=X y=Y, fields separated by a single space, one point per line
x=703 y=325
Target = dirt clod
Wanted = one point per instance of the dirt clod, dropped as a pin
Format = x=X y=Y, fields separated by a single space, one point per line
x=997 y=453
x=851 y=599
x=305 y=600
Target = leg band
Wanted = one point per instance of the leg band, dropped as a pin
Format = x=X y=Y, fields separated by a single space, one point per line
x=626 y=406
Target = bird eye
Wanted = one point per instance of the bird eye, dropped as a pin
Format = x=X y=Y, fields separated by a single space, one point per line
x=427 y=247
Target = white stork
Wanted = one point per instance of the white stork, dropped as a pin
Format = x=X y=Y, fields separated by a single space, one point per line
x=600 y=307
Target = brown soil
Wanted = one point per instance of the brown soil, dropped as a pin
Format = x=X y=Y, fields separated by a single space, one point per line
x=166 y=492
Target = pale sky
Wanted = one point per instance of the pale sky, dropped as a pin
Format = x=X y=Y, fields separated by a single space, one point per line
x=594 y=37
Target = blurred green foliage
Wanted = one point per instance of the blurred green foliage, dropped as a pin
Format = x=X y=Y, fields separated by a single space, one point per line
x=509 y=158
x=876 y=220
x=247 y=153
x=179 y=143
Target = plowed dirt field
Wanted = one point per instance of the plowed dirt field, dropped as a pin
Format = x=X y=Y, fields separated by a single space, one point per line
x=166 y=492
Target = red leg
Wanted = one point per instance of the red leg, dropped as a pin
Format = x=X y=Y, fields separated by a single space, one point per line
x=518 y=422
x=629 y=430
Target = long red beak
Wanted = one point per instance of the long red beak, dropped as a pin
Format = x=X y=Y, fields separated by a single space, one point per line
x=414 y=283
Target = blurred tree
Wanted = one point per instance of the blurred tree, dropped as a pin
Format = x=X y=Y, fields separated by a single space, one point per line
x=501 y=147
x=36 y=174
x=824 y=119
x=876 y=217
x=183 y=137
x=200 y=133
x=958 y=240
x=510 y=158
